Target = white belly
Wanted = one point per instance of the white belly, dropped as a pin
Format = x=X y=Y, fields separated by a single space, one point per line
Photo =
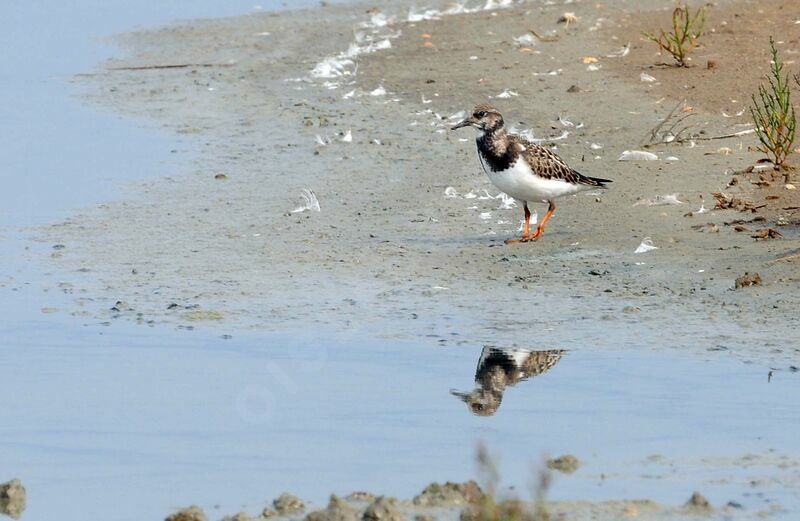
x=519 y=182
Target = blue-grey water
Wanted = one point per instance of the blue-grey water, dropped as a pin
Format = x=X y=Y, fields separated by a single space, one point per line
x=128 y=422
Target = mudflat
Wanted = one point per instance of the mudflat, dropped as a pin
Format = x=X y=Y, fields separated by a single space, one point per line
x=408 y=241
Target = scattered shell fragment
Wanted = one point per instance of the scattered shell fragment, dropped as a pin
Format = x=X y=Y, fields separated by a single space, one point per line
x=790 y=186
x=620 y=53
x=645 y=246
x=637 y=155
x=450 y=192
x=726 y=115
x=646 y=78
x=589 y=59
x=526 y=40
x=554 y=72
x=507 y=94
x=659 y=200
x=567 y=123
x=723 y=151
x=310 y=201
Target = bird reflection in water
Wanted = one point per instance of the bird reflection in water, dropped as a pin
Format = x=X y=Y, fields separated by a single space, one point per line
x=502 y=367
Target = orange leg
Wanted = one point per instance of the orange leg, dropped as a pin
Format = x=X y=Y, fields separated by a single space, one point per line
x=526 y=228
x=540 y=229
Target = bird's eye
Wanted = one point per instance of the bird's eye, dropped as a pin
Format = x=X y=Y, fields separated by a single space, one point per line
x=480 y=114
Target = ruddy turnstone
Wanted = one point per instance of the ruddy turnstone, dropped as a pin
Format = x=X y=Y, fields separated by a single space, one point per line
x=501 y=367
x=526 y=171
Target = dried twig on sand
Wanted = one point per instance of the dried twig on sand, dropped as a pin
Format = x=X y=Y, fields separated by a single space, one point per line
x=675 y=129
x=543 y=38
x=670 y=128
x=725 y=136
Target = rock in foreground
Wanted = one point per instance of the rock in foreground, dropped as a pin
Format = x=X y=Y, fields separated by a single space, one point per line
x=12 y=498
x=449 y=494
x=192 y=513
x=566 y=464
x=288 y=504
x=383 y=509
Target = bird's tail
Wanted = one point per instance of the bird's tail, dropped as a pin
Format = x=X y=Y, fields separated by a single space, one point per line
x=599 y=181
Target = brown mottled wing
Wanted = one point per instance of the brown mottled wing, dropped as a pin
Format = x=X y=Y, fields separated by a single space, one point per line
x=539 y=362
x=546 y=164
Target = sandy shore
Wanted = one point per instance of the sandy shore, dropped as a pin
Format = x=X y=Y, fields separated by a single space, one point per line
x=389 y=253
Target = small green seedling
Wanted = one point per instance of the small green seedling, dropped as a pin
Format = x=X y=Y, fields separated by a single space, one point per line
x=686 y=31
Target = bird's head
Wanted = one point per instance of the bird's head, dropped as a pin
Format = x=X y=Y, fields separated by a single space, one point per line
x=484 y=117
x=481 y=402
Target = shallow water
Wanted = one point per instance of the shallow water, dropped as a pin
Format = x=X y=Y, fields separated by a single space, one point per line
x=58 y=154
x=129 y=422
x=189 y=417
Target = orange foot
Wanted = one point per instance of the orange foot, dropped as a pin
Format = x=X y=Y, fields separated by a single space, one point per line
x=524 y=238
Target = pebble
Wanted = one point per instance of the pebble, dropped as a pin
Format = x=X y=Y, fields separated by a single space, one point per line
x=383 y=509
x=192 y=513
x=566 y=464
x=288 y=504
x=13 y=498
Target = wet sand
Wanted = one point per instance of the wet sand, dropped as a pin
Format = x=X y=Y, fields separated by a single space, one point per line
x=389 y=254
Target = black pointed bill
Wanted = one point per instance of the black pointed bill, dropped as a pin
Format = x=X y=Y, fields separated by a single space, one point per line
x=464 y=397
x=464 y=123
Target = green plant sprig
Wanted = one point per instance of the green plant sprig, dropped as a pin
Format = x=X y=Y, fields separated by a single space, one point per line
x=773 y=113
x=686 y=31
